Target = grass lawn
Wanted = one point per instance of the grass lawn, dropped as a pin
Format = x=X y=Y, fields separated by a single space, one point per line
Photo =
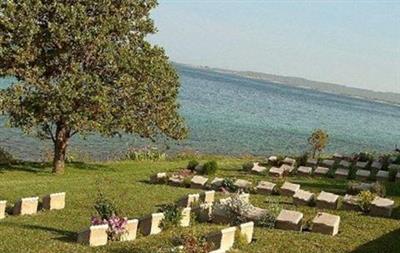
x=126 y=183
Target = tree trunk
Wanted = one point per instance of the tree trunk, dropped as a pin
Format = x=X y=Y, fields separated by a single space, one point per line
x=60 y=148
x=314 y=153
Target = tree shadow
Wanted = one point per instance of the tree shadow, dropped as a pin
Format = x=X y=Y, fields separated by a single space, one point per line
x=89 y=166
x=33 y=167
x=385 y=244
x=64 y=235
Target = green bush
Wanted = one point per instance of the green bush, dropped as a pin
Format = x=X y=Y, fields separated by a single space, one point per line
x=302 y=160
x=172 y=216
x=365 y=199
x=229 y=185
x=397 y=160
x=247 y=166
x=209 y=168
x=5 y=157
x=376 y=188
x=392 y=174
x=364 y=157
x=266 y=221
x=192 y=164
x=352 y=173
x=105 y=207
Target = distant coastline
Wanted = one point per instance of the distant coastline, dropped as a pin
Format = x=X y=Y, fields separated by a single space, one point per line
x=390 y=98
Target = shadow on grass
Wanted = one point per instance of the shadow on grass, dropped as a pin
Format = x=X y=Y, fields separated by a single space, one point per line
x=385 y=244
x=37 y=167
x=64 y=235
x=325 y=186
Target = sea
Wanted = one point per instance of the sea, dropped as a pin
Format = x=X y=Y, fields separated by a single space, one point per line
x=232 y=115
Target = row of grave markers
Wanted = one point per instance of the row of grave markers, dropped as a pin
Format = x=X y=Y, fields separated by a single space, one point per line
x=96 y=235
x=28 y=206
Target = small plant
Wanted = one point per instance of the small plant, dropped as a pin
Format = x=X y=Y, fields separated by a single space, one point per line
x=5 y=157
x=376 y=188
x=364 y=157
x=187 y=182
x=145 y=154
x=331 y=172
x=392 y=174
x=192 y=165
x=107 y=214
x=385 y=160
x=209 y=168
x=247 y=166
x=241 y=240
x=172 y=216
x=229 y=185
x=365 y=199
x=266 y=221
x=352 y=173
x=235 y=209
x=318 y=141
x=397 y=159
x=302 y=160
x=193 y=244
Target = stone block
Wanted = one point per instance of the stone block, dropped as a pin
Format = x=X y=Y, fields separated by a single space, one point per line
x=26 y=206
x=341 y=173
x=189 y=200
x=159 y=178
x=243 y=184
x=350 y=202
x=287 y=169
x=265 y=187
x=302 y=197
x=131 y=230
x=207 y=197
x=54 y=201
x=217 y=183
x=363 y=174
x=377 y=165
x=272 y=159
x=361 y=165
x=304 y=171
x=327 y=200
x=198 y=182
x=382 y=207
x=328 y=163
x=289 y=161
x=150 y=225
x=321 y=171
x=3 y=205
x=337 y=156
x=176 y=180
x=185 y=220
x=394 y=167
x=289 y=220
x=382 y=175
x=94 y=236
x=276 y=172
x=289 y=189
x=222 y=240
x=312 y=163
x=344 y=164
x=247 y=230
x=325 y=223
x=257 y=169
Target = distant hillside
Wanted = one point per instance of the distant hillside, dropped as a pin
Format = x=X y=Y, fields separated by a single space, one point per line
x=387 y=97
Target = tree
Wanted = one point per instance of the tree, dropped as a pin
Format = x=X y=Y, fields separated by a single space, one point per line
x=318 y=140
x=85 y=66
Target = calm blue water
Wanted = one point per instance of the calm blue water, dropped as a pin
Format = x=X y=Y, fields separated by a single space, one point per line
x=233 y=115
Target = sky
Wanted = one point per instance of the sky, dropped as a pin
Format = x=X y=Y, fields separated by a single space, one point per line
x=353 y=43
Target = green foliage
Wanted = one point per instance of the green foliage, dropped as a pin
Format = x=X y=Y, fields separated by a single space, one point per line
x=209 y=168
x=240 y=240
x=193 y=244
x=392 y=174
x=105 y=208
x=364 y=157
x=187 y=181
x=352 y=172
x=376 y=188
x=229 y=185
x=5 y=157
x=302 y=160
x=84 y=67
x=234 y=209
x=365 y=199
x=192 y=164
x=172 y=216
x=318 y=141
x=385 y=160
x=397 y=159
x=145 y=154
x=247 y=166
x=266 y=221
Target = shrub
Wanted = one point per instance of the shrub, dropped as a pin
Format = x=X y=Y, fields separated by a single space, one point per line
x=364 y=157
x=209 y=168
x=302 y=160
x=247 y=166
x=192 y=164
x=229 y=185
x=397 y=159
x=392 y=174
x=145 y=154
x=187 y=181
x=352 y=173
x=385 y=160
x=5 y=157
x=172 y=216
x=235 y=209
x=104 y=207
x=365 y=199
x=267 y=221
x=193 y=244
x=376 y=188
x=318 y=141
